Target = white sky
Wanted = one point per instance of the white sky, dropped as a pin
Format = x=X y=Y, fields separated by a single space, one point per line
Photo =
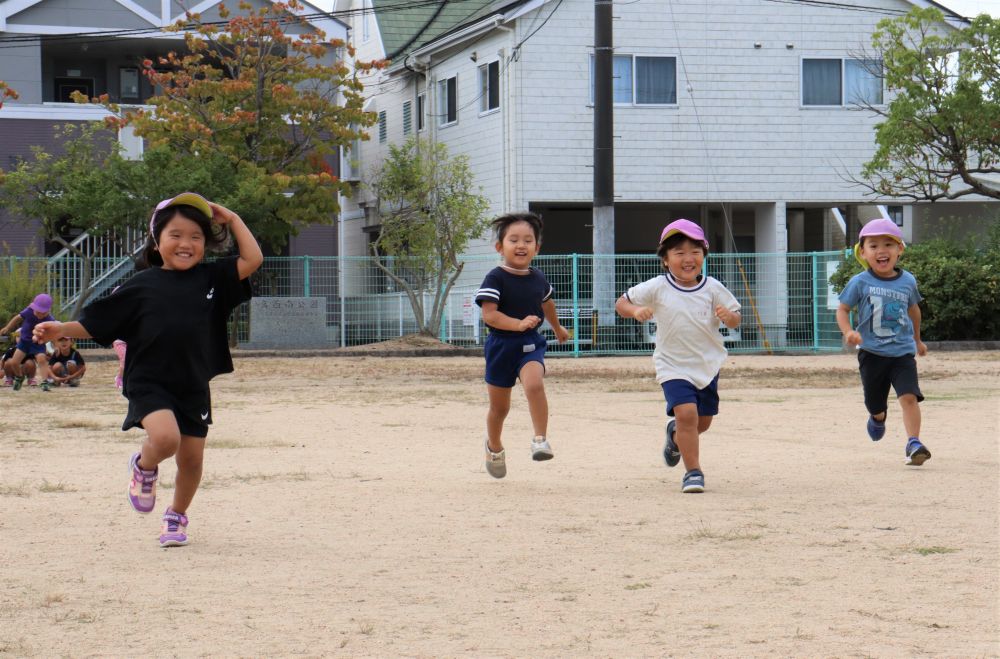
x=973 y=7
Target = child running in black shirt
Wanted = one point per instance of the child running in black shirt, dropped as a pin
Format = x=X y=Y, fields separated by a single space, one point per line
x=514 y=297
x=173 y=316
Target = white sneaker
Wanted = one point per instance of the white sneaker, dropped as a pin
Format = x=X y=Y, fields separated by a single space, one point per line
x=496 y=463
x=540 y=449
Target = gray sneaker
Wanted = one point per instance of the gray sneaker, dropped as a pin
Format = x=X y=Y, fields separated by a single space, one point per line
x=540 y=449
x=496 y=463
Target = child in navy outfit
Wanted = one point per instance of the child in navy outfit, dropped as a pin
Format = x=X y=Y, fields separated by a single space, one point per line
x=514 y=297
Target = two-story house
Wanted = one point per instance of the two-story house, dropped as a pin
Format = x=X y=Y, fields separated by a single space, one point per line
x=743 y=115
x=51 y=48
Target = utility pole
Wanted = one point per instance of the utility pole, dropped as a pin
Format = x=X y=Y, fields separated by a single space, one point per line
x=604 y=164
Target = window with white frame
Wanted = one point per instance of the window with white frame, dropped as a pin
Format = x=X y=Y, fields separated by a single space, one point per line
x=407 y=117
x=841 y=81
x=421 y=111
x=383 y=128
x=489 y=87
x=641 y=80
x=448 y=101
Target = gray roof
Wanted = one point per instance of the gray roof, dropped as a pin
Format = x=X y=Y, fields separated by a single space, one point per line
x=405 y=27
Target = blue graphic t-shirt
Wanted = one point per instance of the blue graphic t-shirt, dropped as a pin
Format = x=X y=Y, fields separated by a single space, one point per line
x=883 y=321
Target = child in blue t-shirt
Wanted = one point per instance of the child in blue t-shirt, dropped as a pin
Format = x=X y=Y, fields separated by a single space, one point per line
x=888 y=332
x=514 y=297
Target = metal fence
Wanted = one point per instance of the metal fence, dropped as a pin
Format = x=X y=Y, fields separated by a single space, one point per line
x=788 y=305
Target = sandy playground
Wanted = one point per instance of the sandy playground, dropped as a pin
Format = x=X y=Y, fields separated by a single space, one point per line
x=345 y=511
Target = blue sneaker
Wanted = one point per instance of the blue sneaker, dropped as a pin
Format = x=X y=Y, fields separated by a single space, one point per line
x=671 y=454
x=694 y=481
x=876 y=429
x=916 y=453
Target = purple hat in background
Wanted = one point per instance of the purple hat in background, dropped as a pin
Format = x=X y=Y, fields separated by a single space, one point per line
x=686 y=227
x=880 y=227
x=42 y=303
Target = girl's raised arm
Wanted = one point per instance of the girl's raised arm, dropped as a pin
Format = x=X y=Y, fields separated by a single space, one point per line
x=251 y=257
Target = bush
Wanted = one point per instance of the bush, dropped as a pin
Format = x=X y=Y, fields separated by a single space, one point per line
x=21 y=279
x=960 y=283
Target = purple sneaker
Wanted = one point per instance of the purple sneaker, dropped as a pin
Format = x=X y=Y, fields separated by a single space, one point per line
x=141 y=487
x=174 y=531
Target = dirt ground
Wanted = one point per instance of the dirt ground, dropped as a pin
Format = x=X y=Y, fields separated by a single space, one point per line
x=345 y=511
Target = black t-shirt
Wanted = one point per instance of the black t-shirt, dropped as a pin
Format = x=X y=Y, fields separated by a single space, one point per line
x=174 y=322
x=73 y=356
x=517 y=296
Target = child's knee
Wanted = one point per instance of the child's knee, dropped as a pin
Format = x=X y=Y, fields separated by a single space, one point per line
x=908 y=400
x=164 y=439
x=57 y=369
x=704 y=423
x=686 y=415
x=499 y=409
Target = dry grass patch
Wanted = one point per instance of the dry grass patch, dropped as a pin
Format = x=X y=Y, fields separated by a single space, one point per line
x=80 y=424
x=47 y=487
x=19 y=490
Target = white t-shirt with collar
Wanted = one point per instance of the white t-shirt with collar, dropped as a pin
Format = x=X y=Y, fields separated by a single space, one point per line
x=688 y=343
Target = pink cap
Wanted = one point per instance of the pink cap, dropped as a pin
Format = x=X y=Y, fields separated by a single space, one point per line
x=686 y=227
x=183 y=199
x=42 y=303
x=880 y=227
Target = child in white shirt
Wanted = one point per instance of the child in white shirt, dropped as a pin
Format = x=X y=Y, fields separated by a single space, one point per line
x=687 y=307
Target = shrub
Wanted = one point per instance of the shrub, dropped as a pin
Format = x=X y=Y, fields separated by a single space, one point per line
x=960 y=283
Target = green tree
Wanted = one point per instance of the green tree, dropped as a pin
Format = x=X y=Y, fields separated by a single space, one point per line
x=90 y=186
x=429 y=211
x=941 y=130
x=273 y=106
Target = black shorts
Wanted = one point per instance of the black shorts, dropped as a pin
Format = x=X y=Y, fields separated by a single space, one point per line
x=193 y=410
x=879 y=371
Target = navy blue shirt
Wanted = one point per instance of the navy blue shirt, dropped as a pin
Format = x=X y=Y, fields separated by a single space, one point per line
x=517 y=296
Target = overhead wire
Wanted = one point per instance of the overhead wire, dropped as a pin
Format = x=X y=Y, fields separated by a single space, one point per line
x=713 y=177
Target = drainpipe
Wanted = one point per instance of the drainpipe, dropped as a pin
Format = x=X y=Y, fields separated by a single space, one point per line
x=506 y=123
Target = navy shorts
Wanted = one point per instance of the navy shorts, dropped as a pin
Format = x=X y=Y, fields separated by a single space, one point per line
x=678 y=392
x=31 y=348
x=193 y=410
x=506 y=355
x=878 y=372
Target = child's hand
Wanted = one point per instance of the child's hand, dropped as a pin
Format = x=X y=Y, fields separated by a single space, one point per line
x=853 y=338
x=528 y=322
x=728 y=318
x=642 y=314
x=921 y=348
x=562 y=334
x=50 y=330
x=221 y=214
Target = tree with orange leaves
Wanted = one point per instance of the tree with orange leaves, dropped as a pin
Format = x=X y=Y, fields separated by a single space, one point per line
x=6 y=92
x=276 y=105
